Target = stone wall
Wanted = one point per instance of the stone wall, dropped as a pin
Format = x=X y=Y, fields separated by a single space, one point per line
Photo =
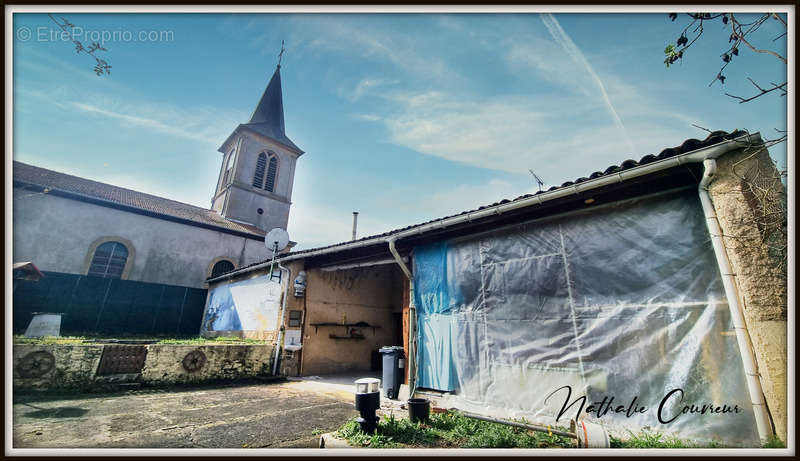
x=75 y=366
x=760 y=280
x=164 y=363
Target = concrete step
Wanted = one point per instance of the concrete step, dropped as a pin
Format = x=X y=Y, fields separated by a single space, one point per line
x=329 y=440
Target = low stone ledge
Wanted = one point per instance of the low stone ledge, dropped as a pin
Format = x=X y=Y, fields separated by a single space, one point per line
x=70 y=366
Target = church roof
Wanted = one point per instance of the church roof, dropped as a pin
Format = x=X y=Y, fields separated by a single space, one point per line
x=267 y=119
x=103 y=194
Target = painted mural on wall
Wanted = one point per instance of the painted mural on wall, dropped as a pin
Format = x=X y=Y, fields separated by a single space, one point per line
x=247 y=305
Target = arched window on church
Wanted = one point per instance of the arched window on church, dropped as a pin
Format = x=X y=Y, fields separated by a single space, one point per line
x=272 y=173
x=229 y=169
x=261 y=165
x=109 y=260
x=221 y=267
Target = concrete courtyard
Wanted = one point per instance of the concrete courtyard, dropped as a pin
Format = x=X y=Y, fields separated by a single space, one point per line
x=238 y=415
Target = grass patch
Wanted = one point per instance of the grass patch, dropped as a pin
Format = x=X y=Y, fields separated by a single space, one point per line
x=651 y=439
x=20 y=339
x=217 y=340
x=448 y=430
x=774 y=442
x=453 y=430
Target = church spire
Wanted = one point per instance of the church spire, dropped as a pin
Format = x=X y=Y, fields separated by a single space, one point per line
x=267 y=118
x=269 y=111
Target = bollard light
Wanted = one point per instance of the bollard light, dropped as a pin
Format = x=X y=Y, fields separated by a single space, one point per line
x=368 y=400
x=368 y=385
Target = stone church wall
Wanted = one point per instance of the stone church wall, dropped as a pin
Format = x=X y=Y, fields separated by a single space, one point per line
x=57 y=234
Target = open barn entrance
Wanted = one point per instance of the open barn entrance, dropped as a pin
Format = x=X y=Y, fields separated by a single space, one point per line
x=351 y=312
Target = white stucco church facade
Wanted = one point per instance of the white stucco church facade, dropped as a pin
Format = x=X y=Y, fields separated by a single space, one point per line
x=67 y=224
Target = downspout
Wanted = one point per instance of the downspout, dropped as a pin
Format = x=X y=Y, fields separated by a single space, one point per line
x=280 y=316
x=412 y=320
x=763 y=421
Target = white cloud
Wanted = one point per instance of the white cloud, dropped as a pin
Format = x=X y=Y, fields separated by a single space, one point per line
x=406 y=52
x=563 y=39
x=559 y=128
x=365 y=86
x=508 y=134
x=366 y=117
x=204 y=124
x=155 y=125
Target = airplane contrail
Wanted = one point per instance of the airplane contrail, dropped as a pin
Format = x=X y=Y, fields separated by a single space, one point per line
x=561 y=37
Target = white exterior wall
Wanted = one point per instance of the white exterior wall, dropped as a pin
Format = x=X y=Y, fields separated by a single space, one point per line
x=56 y=233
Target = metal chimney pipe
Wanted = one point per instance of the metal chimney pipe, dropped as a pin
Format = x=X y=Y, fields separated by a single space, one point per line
x=355 y=223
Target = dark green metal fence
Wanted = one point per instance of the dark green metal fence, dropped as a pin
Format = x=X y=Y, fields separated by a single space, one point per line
x=93 y=305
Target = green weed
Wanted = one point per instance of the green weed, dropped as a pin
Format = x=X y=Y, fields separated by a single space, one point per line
x=199 y=340
x=651 y=439
x=448 y=429
x=774 y=442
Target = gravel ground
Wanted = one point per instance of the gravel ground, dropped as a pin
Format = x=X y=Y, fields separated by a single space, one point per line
x=252 y=415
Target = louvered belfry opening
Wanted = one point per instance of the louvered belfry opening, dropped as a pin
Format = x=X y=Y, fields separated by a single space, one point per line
x=272 y=172
x=261 y=164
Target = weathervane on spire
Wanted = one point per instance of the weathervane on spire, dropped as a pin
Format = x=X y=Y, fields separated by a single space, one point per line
x=280 y=55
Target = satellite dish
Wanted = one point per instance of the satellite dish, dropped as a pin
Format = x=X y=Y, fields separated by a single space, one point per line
x=276 y=238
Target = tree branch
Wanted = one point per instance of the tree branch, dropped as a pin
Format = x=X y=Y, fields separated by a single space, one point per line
x=740 y=37
x=762 y=93
x=775 y=15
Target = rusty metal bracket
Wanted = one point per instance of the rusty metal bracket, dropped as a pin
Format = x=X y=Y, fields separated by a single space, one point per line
x=194 y=360
x=122 y=359
x=36 y=364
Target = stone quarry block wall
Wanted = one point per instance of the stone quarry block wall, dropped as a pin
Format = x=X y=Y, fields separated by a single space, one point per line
x=75 y=366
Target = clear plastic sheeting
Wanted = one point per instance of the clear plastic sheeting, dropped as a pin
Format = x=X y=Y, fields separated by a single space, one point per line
x=618 y=301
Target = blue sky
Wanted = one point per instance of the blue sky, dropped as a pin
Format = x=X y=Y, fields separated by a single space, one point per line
x=403 y=117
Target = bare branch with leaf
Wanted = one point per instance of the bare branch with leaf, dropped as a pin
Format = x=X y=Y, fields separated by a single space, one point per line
x=742 y=33
x=101 y=65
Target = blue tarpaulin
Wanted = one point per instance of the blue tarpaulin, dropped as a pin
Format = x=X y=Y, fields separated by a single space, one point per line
x=434 y=321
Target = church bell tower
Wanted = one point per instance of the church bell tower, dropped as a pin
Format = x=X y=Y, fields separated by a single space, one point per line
x=258 y=162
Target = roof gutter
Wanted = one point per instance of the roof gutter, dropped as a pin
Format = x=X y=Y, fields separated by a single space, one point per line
x=696 y=156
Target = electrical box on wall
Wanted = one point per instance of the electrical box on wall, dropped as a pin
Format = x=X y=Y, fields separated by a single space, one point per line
x=300 y=284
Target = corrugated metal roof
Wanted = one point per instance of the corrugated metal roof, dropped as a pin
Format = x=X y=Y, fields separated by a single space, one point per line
x=687 y=146
x=34 y=175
